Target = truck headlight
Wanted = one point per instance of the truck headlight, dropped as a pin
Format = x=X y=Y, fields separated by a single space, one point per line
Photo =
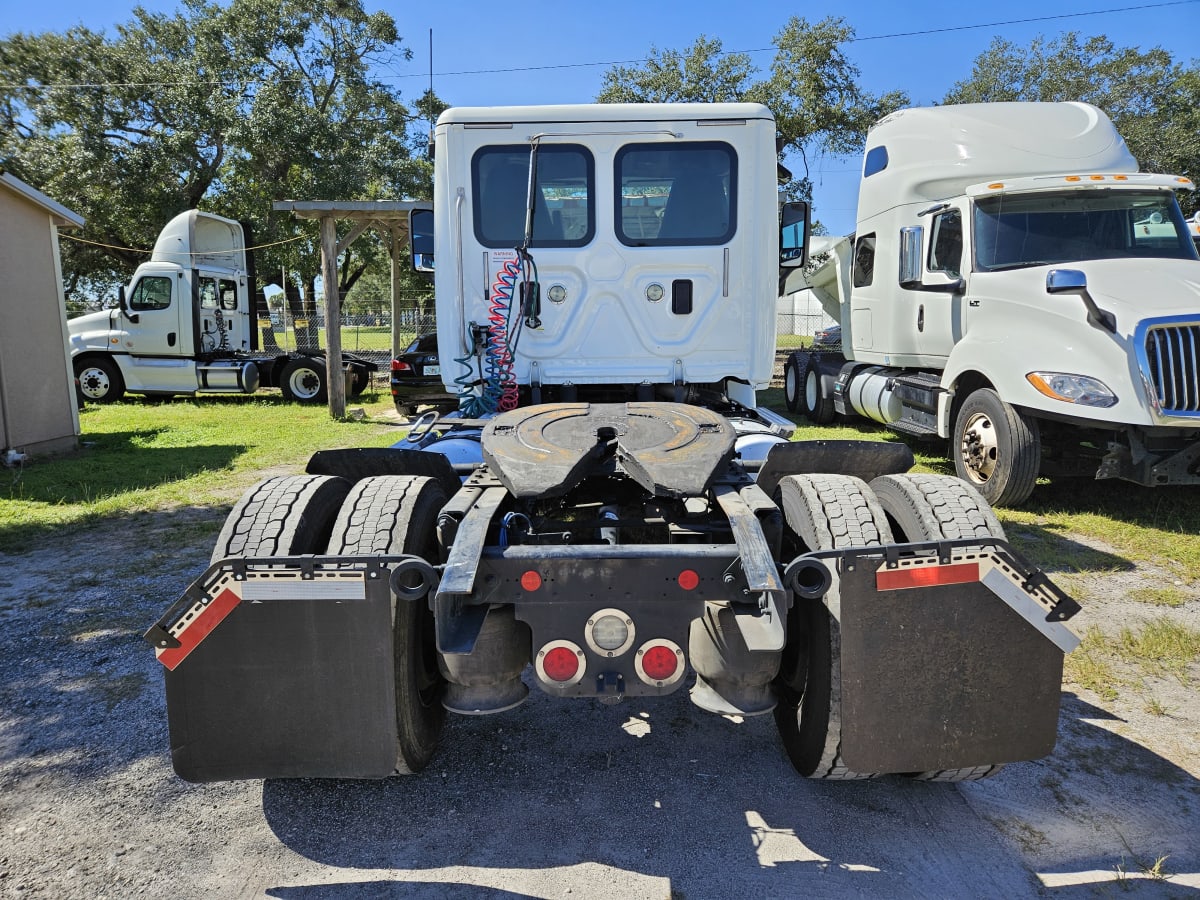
x=1078 y=389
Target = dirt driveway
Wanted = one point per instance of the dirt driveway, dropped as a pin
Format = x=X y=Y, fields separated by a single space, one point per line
x=554 y=799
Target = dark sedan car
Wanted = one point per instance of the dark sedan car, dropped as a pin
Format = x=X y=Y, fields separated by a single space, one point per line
x=417 y=378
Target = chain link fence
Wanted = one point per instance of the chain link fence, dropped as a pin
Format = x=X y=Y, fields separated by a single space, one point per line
x=367 y=335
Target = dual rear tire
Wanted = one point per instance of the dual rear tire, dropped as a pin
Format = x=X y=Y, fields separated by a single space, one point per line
x=385 y=516
x=830 y=512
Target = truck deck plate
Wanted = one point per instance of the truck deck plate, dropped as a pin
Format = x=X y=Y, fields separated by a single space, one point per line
x=670 y=449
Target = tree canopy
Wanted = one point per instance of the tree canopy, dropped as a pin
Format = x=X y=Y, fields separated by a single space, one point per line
x=227 y=106
x=1153 y=100
x=811 y=87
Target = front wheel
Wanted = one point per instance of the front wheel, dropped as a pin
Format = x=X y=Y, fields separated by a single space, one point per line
x=303 y=380
x=997 y=449
x=100 y=380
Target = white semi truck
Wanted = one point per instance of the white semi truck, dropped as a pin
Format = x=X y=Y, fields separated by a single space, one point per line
x=187 y=324
x=1016 y=286
x=611 y=514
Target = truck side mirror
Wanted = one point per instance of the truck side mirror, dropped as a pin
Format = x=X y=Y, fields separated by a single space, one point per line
x=420 y=239
x=123 y=304
x=1073 y=281
x=910 y=255
x=793 y=234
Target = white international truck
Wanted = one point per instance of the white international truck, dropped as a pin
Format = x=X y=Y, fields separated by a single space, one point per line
x=187 y=324
x=1014 y=285
x=611 y=514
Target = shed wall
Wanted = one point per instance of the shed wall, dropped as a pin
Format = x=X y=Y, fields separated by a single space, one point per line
x=37 y=397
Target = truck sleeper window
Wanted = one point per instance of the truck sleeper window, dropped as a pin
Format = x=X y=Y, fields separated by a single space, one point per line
x=563 y=215
x=1013 y=231
x=152 y=292
x=676 y=194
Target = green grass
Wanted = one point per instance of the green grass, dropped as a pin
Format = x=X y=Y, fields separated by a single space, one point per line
x=139 y=456
x=1157 y=648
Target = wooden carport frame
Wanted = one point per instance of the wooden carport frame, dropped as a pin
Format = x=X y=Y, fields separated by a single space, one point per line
x=386 y=215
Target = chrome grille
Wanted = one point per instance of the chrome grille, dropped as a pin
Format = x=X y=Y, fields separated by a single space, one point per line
x=1172 y=364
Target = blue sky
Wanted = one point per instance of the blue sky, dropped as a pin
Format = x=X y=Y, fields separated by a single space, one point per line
x=469 y=37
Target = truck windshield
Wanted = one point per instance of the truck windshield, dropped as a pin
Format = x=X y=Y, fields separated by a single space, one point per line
x=1019 y=230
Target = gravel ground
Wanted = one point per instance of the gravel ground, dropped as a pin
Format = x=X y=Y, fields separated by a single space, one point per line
x=554 y=799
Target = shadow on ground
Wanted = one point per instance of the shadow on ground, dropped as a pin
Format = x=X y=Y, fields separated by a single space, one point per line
x=705 y=807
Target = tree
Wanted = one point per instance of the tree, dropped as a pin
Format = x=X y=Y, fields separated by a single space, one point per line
x=812 y=88
x=1153 y=101
x=232 y=107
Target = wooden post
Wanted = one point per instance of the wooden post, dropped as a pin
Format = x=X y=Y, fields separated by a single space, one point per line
x=396 y=348
x=335 y=375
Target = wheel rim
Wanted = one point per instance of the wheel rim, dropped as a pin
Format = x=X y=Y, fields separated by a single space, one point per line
x=790 y=387
x=980 y=449
x=94 y=383
x=304 y=383
x=811 y=387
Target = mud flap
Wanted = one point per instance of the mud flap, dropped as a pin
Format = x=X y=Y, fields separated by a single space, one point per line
x=297 y=679
x=949 y=660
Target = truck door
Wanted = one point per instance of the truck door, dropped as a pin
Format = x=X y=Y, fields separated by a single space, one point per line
x=155 y=301
x=939 y=315
x=223 y=314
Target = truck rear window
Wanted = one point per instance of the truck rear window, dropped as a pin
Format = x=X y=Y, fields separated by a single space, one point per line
x=564 y=213
x=676 y=194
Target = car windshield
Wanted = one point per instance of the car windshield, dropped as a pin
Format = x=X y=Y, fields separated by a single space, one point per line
x=1018 y=230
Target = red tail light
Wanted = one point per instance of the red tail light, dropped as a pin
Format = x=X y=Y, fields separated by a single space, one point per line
x=560 y=662
x=659 y=662
x=400 y=366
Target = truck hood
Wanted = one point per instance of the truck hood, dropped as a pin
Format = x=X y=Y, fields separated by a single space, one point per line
x=90 y=331
x=1132 y=290
x=94 y=321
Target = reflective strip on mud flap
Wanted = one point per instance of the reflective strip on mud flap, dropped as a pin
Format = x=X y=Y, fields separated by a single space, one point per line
x=997 y=577
x=196 y=625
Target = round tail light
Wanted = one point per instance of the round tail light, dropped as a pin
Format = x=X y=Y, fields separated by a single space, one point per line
x=659 y=662
x=560 y=662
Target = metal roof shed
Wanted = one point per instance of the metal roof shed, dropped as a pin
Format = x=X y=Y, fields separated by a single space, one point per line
x=38 y=413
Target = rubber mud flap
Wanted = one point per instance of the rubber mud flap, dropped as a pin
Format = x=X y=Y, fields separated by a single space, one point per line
x=289 y=686
x=942 y=677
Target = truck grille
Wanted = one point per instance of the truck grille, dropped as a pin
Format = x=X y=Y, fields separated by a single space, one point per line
x=1172 y=363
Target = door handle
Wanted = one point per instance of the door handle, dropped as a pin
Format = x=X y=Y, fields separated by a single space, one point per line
x=921 y=317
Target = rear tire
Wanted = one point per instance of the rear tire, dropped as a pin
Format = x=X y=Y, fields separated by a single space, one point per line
x=821 y=512
x=282 y=516
x=391 y=515
x=818 y=405
x=360 y=380
x=791 y=383
x=303 y=381
x=931 y=508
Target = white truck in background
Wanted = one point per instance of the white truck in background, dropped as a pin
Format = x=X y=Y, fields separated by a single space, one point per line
x=187 y=324
x=1016 y=286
